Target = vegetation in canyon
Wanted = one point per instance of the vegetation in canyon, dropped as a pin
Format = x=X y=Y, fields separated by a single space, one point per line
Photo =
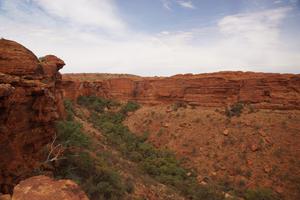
x=100 y=179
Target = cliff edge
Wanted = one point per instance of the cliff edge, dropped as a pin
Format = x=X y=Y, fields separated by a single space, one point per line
x=30 y=103
x=263 y=90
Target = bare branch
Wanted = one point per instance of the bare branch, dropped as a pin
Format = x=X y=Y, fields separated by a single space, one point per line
x=55 y=151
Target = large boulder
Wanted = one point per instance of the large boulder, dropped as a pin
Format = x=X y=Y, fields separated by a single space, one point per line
x=15 y=59
x=45 y=188
x=51 y=64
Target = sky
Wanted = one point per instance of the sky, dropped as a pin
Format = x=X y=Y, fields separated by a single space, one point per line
x=158 y=37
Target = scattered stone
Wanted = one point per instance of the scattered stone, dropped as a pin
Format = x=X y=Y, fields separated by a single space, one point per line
x=248 y=123
x=228 y=196
x=183 y=125
x=279 y=189
x=222 y=167
x=165 y=125
x=130 y=114
x=199 y=178
x=262 y=133
x=254 y=147
x=268 y=140
x=249 y=162
x=226 y=132
x=169 y=110
x=203 y=183
x=267 y=169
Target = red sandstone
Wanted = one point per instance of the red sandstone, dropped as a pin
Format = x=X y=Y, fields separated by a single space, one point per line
x=29 y=106
x=264 y=90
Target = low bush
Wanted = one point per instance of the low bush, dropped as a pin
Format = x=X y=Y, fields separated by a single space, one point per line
x=98 y=181
x=130 y=107
x=69 y=109
x=129 y=185
x=95 y=103
x=178 y=104
x=70 y=134
x=234 y=110
x=260 y=194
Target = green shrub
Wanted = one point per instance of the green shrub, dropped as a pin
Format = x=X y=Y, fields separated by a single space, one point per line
x=70 y=134
x=105 y=184
x=99 y=182
x=160 y=132
x=178 y=104
x=260 y=194
x=234 y=110
x=69 y=109
x=130 y=107
x=192 y=190
x=129 y=185
x=96 y=103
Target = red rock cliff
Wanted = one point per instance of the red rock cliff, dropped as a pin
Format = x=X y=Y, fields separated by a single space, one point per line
x=29 y=106
x=275 y=91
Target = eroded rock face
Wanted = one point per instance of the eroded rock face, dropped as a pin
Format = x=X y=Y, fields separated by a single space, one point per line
x=29 y=106
x=17 y=60
x=51 y=65
x=273 y=91
x=45 y=188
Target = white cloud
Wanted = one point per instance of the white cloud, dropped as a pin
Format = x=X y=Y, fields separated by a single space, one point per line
x=99 y=13
x=258 y=29
x=277 y=1
x=247 y=41
x=167 y=4
x=186 y=4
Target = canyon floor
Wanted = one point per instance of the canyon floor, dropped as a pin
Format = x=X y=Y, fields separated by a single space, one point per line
x=259 y=148
x=254 y=149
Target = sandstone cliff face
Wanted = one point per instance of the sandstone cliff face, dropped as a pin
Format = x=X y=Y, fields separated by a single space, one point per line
x=274 y=91
x=29 y=106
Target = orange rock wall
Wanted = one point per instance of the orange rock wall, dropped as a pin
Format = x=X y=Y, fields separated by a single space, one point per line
x=274 y=91
x=29 y=106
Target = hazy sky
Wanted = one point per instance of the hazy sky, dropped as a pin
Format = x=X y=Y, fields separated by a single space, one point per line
x=158 y=37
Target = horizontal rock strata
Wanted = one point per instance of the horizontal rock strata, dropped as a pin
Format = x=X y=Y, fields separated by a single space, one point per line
x=264 y=90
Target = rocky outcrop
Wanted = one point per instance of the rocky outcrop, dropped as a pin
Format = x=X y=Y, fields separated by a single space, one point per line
x=17 y=60
x=264 y=90
x=30 y=103
x=45 y=188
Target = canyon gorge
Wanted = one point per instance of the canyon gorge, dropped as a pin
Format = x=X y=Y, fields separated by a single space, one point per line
x=238 y=129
